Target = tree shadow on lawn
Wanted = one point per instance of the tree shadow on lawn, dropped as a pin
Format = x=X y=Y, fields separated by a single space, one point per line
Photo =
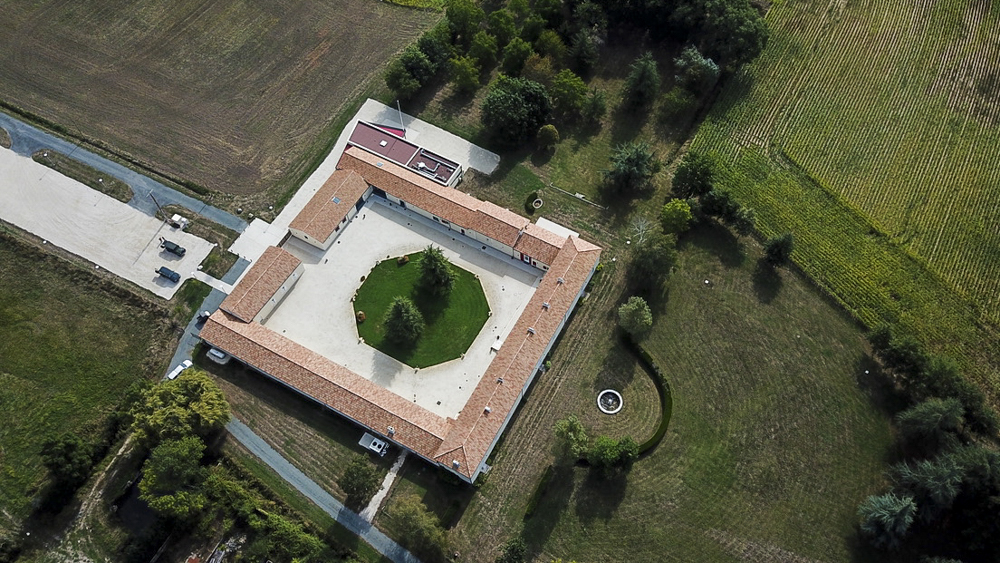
x=617 y=371
x=879 y=387
x=716 y=239
x=627 y=123
x=431 y=306
x=599 y=496
x=767 y=282
x=551 y=506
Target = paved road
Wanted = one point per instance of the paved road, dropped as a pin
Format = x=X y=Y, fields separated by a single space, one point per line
x=26 y=140
x=351 y=520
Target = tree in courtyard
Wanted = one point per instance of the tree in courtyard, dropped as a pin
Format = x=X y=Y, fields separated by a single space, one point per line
x=172 y=479
x=642 y=83
x=933 y=424
x=514 y=551
x=548 y=137
x=515 y=54
x=436 y=275
x=360 y=481
x=484 y=49
x=633 y=166
x=403 y=321
x=465 y=74
x=778 y=249
x=572 y=436
x=653 y=261
x=635 y=317
x=418 y=528
x=569 y=94
x=68 y=459
x=514 y=109
x=695 y=175
x=675 y=216
x=886 y=519
x=192 y=404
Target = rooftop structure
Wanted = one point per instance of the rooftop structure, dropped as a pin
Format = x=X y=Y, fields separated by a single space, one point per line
x=459 y=443
x=386 y=142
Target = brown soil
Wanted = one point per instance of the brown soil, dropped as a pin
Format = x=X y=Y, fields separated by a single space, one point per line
x=229 y=95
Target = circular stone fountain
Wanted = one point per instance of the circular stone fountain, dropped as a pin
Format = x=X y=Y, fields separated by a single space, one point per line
x=609 y=401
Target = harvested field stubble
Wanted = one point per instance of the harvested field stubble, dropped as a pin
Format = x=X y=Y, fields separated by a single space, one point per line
x=229 y=95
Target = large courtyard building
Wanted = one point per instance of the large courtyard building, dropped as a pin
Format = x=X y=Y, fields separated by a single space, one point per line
x=292 y=319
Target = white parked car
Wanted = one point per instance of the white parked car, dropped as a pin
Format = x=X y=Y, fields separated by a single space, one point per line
x=217 y=356
x=177 y=370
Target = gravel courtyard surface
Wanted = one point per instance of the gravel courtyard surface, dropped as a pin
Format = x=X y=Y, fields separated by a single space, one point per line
x=318 y=313
x=91 y=225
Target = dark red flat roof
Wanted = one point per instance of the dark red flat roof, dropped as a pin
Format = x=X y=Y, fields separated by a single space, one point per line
x=379 y=139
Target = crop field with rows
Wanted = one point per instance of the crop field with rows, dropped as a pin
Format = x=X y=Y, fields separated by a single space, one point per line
x=871 y=130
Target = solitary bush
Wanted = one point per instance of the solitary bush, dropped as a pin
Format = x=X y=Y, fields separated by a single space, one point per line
x=360 y=481
x=595 y=106
x=569 y=94
x=675 y=216
x=635 y=317
x=777 y=250
x=572 y=436
x=548 y=137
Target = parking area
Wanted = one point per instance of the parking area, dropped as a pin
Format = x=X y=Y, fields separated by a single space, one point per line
x=87 y=223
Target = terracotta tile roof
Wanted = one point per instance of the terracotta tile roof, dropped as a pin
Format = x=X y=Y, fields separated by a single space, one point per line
x=331 y=204
x=329 y=383
x=260 y=283
x=541 y=244
x=475 y=430
x=498 y=223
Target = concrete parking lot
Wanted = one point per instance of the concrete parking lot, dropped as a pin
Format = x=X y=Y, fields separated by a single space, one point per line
x=98 y=228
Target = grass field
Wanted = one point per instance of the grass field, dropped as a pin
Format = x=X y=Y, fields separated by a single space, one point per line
x=230 y=95
x=451 y=322
x=869 y=130
x=773 y=440
x=108 y=185
x=70 y=345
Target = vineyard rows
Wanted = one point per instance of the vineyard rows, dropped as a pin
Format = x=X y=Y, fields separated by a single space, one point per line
x=871 y=130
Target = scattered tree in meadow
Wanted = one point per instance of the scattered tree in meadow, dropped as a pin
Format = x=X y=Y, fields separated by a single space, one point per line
x=418 y=528
x=360 y=481
x=886 y=519
x=583 y=52
x=403 y=321
x=653 y=261
x=675 y=216
x=695 y=175
x=572 y=436
x=595 y=107
x=778 y=249
x=609 y=455
x=172 y=479
x=635 y=318
x=464 y=18
x=514 y=109
x=515 y=54
x=192 y=404
x=932 y=425
x=569 y=94
x=633 y=166
x=720 y=203
x=514 y=551
x=642 y=83
x=465 y=74
x=695 y=72
x=68 y=459
x=502 y=26
x=548 y=137
x=484 y=49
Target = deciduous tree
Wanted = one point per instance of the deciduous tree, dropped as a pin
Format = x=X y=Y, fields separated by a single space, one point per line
x=360 y=481
x=652 y=262
x=635 y=318
x=172 y=478
x=465 y=74
x=192 y=404
x=418 y=528
x=695 y=72
x=572 y=436
x=501 y=25
x=515 y=54
x=778 y=249
x=68 y=459
x=464 y=18
x=569 y=94
x=695 y=175
x=484 y=49
x=514 y=109
x=675 y=216
x=548 y=137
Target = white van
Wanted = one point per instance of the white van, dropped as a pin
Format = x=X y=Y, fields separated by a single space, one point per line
x=177 y=370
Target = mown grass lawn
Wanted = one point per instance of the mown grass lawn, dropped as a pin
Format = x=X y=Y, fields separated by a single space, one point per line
x=69 y=350
x=452 y=322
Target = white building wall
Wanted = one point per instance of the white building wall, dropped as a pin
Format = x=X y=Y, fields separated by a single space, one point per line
x=275 y=299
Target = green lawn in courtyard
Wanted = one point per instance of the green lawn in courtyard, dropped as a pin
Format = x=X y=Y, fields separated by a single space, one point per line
x=452 y=321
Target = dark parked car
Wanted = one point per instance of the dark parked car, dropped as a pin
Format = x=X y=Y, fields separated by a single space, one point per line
x=172 y=247
x=169 y=274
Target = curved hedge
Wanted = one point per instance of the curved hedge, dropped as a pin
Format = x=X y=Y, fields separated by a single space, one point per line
x=662 y=388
